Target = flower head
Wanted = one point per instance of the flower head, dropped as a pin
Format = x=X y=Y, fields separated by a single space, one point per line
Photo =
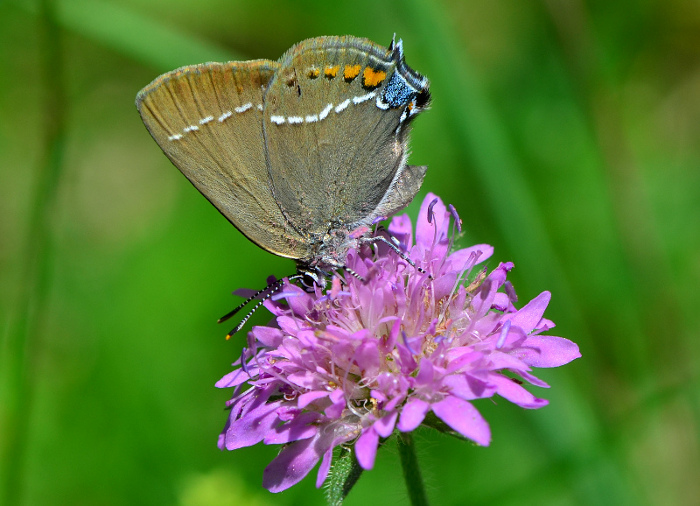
x=351 y=364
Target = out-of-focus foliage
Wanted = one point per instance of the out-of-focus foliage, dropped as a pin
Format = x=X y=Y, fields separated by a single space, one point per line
x=566 y=133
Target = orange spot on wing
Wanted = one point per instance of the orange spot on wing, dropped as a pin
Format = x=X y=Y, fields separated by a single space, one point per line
x=313 y=73
x=373 y=78
x=331 y=72
x=351 y=72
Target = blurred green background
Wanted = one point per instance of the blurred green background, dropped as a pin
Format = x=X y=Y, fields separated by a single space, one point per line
x=565 y=133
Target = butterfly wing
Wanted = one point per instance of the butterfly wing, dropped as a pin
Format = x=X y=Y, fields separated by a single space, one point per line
x=345 y=104
x=208 y=120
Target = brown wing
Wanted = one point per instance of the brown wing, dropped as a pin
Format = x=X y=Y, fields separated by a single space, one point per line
x=208 y=120
x=327 y=100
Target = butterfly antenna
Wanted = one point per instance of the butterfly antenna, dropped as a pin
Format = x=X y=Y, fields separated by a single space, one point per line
x=248 y=300
x=268 y=292
x=354 y=274
x=250 y=313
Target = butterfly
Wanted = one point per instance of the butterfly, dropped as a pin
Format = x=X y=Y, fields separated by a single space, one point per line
x=303 y=155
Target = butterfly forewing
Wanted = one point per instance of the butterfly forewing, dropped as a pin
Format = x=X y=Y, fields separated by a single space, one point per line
x=208 y=121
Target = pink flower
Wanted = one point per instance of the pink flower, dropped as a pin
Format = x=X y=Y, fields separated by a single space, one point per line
x=367 y=357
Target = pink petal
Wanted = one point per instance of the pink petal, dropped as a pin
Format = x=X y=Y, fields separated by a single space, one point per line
x=549 y=351
x=484 y=299
x=305 y=379
x=502 y=302
x=406 y=360
x=425 y=373
x=268 y=336
x=252 y=427
x=296 y=429
x=464 y=418
x=428 y=234
x=308 y=397
x=366 y=448
x=500 y=360
x=324 y=468
x=385 y=425
x=387 y=344
x=401 y=228
x=288 y=324
x=244 y=292
x=533 y=380
x=509 y=389
x=299 y=301
x=530 y=315
x=459 y=258
x=368 y=358
x=444 y=285
x=337 y=397
x=235 y=378
x=462 y=358
x=413 y=414
x=467 y=387
x=291 y=465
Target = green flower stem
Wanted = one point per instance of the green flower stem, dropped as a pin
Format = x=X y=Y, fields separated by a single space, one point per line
x=411 y=471
x=344 y=474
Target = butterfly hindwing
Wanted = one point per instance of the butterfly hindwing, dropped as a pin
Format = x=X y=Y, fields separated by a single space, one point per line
x=328 y=101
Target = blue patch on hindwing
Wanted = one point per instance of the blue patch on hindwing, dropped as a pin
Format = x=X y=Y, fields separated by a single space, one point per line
x=398 y=92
